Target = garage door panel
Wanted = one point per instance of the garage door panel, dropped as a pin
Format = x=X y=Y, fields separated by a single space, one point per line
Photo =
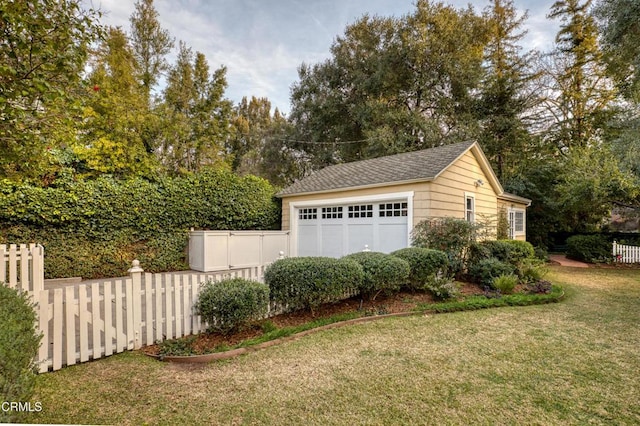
x=308 y=240
x=392 y=236
x=331 y=240
x=359 y=235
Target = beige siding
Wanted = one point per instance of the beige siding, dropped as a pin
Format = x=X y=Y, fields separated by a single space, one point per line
x=447 y=192
x=420 y=196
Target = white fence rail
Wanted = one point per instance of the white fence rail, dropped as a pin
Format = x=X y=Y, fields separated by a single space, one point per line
x=626 y=254
x=223 y=250
x=90 y=321
x=22 y=266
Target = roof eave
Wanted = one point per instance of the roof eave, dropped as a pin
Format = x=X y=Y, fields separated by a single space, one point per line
x=515 y=198
x=355 y=188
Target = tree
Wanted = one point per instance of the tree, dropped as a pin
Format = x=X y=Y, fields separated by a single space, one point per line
x=580 y=91
x=620 y=29
x=395 y=85
x=115 y=114
x=196 y=114
x=505 y=97
x=150 y=42
x=43 y=49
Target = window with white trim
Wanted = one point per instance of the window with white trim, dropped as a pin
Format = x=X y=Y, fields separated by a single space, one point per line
x=517 y=221
x=392 y=209
x=469 y=208
x=365 y=210
x=307 y=214
x=332 y=212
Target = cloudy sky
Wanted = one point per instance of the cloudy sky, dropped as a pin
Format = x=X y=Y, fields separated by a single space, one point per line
x=262 y=42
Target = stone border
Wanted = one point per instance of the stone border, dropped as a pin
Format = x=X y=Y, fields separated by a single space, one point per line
x=217 y=356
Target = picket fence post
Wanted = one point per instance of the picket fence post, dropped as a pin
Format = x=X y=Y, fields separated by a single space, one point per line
x=135 y=302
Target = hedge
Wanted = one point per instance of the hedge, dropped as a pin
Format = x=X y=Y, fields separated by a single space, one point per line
x=425 y=265
x=382 y=272
x=589 y=248
x=230 y=304
x=486 y=270
x=307 y=282
x=19 y=345
x=95 y=228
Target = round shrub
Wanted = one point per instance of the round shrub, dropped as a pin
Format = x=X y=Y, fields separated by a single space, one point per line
x=486 y=270
x=232 y=303
x=500 y=249
x=589 y=248
x=519 y=251
x=505 y=283
x=425 y=265
x=307 y=282
x=19 y=345
x=382 y=272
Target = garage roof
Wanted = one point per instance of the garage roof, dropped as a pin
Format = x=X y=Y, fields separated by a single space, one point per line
x=426 y=164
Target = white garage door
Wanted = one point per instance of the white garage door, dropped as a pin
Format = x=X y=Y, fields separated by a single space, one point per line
x=338 y=230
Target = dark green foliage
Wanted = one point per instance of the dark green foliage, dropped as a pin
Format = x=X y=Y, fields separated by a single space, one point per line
x=589 y=248
x=425 y=264
x=96 y=228
x=450 y=235
x=307 y=282
x=19 y=345
x=382 y=272
x=230 y=304
x=486 y=270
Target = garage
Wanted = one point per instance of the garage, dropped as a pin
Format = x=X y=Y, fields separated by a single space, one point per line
x=376 y=203
x=337 y=229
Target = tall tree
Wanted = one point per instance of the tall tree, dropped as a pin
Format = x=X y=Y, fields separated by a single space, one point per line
x=578 y=77
x=150 y=42
x=43 y=49
x=505 y=97
x=620 y=28
x=111 y=140
x=196 y=114
x=394 y=84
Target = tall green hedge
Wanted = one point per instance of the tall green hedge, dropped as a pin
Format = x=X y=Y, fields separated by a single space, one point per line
x=95 y=228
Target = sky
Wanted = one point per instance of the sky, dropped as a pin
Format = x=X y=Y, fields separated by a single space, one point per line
x=263 y=42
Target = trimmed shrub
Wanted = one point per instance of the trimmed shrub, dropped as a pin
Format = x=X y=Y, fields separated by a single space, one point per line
x=500 y=249
x=232 y=303
x=425 y=265
x=382 y=272
x=520 y=251
x=486 y=270
x=505 y=283
x=589 y=248
x=19 y=345
x=450 y=235
x=307 y=282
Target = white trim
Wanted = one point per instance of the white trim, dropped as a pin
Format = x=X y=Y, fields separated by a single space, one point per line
x=294 y=205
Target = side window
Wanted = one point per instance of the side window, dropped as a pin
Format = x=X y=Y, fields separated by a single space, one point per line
x=469 y=208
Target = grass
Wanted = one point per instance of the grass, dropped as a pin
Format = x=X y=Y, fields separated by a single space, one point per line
x=576 y=362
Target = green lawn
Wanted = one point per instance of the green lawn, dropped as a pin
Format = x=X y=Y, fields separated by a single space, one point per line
x=575 y=362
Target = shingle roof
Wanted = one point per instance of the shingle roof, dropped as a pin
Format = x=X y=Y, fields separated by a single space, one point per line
x=409 y=166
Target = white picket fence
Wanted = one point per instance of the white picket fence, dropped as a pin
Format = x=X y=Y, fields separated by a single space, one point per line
x=22 y=266
x=85 y=322
x=626 y=254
